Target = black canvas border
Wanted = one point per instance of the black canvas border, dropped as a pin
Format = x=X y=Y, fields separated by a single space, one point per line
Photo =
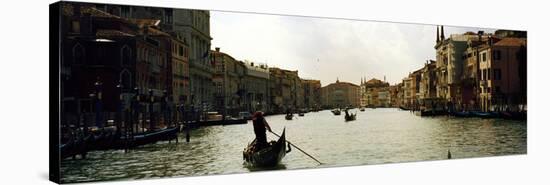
x=54 y=12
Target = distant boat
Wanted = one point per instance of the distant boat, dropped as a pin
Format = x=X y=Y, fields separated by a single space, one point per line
x=289 y=116
x=301 y=114
x=266 y=157
x=403 y=108
x=245 y=115
x=336 y=112
x=213 y=116
x=362 y=109
x=350 y=117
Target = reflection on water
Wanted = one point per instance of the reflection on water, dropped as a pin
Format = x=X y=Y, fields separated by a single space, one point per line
x=377 y=136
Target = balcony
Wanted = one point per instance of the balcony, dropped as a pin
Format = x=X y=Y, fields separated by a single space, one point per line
x=195 y=64
x=155 y=68
x=483 y=83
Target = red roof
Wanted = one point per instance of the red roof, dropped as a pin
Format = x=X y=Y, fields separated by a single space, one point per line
x=509 y=41
x=149 y=24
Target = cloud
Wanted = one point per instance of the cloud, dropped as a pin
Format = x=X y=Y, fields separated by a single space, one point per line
x=327 y=49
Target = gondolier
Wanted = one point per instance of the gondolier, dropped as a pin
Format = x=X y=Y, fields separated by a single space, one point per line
x=260 y=125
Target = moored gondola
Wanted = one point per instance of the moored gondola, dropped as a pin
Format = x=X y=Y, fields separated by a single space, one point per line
x=151 y=137
x=269 y=156
x=485 y=115
x=513 y=115
x=431 y=112
x=462 y=114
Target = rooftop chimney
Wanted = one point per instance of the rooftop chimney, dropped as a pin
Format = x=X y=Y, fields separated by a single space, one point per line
x=479 y=34
x=437 y=36
x=218 y=49
x=442 y=34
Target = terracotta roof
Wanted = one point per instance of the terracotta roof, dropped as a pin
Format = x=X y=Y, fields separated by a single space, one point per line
x=374 y=81
x=343 y=83
x=509 y=41
x=68 y=10
x=214 y=52
x=112 y=33
x=145 y=22
x=156 y=32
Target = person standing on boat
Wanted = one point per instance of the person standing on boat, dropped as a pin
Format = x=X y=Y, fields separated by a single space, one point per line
x=346 y=111
x=260 y=125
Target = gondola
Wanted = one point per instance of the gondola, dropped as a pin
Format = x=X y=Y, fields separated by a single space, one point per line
x=301 y=114
x=463 y=114
x=431 y=112
x=154 y=136
x=266 y=157
x=513 y=115
x=336 y=112
x=350 y=117
x=75 y=147
x=485 y=115
x=289 y=116
x=403 y=108
x=103 y=140
x=362 y=109
x=146 y=138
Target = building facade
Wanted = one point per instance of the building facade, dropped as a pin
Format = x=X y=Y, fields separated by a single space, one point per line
x=375 y=93
x=450 y=64
x=107 y=60
x=193 y=28
x=408 y=96
x=395 y=95
x=257 y=87
x=312 y=94
x=284 y=85
x=503 y=74
x=341 y=95
x=471 y=73
x=180 y=72
x=227 y=77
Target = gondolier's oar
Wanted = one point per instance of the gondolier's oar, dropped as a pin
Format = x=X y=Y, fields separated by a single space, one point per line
x=297 y=148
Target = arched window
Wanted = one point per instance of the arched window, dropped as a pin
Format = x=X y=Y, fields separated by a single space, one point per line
x=126 y=79
x=79 y=54
x=125 y=55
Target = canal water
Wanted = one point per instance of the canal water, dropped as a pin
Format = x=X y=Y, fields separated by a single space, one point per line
x=383 y=135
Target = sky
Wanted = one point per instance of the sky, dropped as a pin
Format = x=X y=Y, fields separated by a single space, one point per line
x=327 y=49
